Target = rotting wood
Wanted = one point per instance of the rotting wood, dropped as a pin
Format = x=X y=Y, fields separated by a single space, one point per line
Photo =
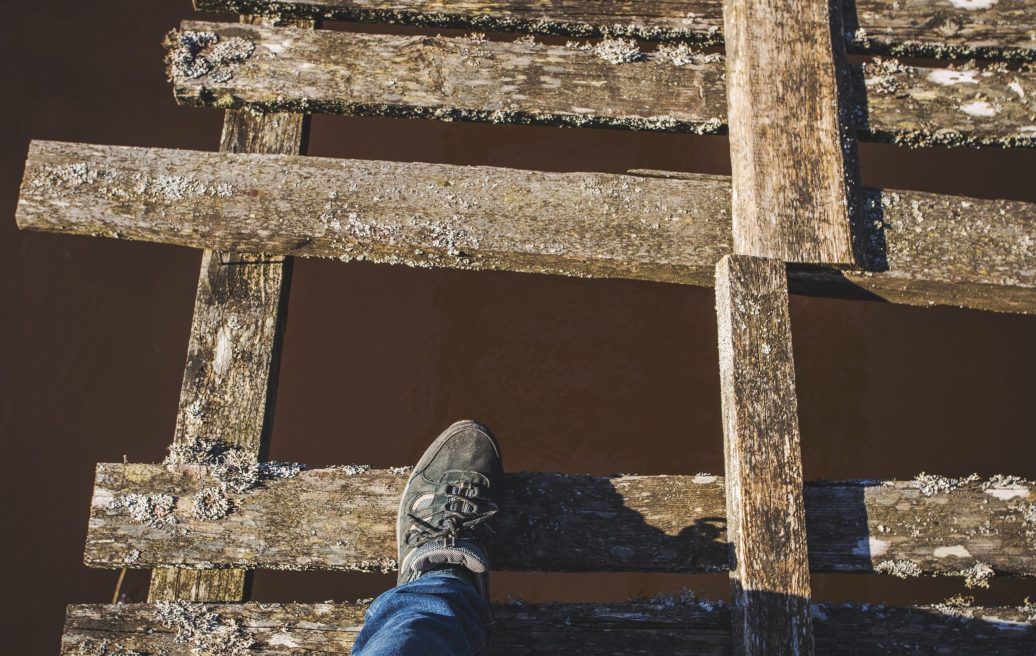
x=792 y=147
x=914 y=28
x=677 y=626
x=766 y=519
x=646 y=523
x=471 y=79
x=230 y=379
x=670 y=227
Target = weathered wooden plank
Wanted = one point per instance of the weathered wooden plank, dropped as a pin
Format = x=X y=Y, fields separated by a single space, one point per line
x=649 y=523
x=936 y=28
x=471 y=79
x=766 y=518
x=793 y=181
x=230 y=379
x=660 y=625
x=922 y=248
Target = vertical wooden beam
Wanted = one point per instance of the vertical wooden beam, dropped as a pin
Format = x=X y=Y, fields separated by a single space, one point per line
x=792 y=147
x=230 y=380
x=766 y=522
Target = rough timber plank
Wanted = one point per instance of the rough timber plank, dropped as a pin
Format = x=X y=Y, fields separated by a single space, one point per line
x=933 y=28
x=922 y=248
x=766 y=519
x=650 y=523
x=281 y=69
x=793 y=182
x=659 y=626
x=230 y=378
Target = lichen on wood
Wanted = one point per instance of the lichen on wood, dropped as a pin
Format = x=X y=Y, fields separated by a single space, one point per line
x=908 y=28
x=921 y=248
x=643 y=523
x=615 y=629
x=610 y=85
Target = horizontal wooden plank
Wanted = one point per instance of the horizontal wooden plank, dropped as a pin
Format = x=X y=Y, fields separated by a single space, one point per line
x=143 y=516
x=923 y=248
x=286 y=69
x=961 y=28
x=657 y=626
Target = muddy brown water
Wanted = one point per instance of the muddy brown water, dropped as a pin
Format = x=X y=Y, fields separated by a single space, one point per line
x=574 y=375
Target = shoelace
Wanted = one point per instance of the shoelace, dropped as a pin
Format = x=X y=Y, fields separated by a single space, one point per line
x=459 y=516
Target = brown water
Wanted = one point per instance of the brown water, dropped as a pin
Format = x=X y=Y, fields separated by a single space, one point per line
x=574 y=375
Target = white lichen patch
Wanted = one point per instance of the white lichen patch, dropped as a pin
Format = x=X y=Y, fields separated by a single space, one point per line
x=157 y=510
x=1016 y=87
x=901 y=569
x=683 y=597
x=980 y=109
x=682 y=54
x=401 y=471
x=199 y=54
x=65 y=176
x=956 y=551
x=618 y=51
x=973 y=5
x=352 y=470
x=197 y=451
x=91 y=647
x=211 y=503
x=883 y=75
x=977 y=576
x=237 y=470
x=932 y=484
x=204 y=631
x=948 y=76
x=178 y=187
x=704 y=479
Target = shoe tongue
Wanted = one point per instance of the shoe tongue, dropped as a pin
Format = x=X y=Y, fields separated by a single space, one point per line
x=437 y=553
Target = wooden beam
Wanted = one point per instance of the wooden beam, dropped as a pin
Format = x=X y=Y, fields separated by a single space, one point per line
x=922 y=248
x=911 y=28
x=766 y=519
x=646 y=523
x=471 y=79
x=230 y=379
x=793 y=181
x=681 y=627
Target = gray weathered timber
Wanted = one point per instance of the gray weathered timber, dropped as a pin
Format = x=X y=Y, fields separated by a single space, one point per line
x=923 y=248
x=648 y=523
x=931 y=28
x=792 y=179
x=471 y=79
x=681 y=627
x=230 y=379
x=766 y=518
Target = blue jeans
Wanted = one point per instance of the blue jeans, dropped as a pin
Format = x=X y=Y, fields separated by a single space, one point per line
x=439 y=614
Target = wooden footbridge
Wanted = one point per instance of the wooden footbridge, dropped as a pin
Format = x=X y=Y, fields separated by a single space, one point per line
x=792 y=215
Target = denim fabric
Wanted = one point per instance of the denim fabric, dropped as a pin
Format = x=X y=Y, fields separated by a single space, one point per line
x=439 y=614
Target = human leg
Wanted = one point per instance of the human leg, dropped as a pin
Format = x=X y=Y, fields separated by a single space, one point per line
x=444 y=533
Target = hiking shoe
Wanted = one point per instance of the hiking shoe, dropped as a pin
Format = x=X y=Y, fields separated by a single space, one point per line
x=446 y=513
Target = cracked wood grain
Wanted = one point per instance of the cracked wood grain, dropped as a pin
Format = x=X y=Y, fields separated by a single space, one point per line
x=910 y=28
x=476 y=80
x=230 y=379
x=766 y=518
x=639 y=523
x=681 y=627
x=922 y=248
x=794 y=176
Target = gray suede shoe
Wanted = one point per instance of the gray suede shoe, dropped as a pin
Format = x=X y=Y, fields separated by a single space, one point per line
x=446 y=513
